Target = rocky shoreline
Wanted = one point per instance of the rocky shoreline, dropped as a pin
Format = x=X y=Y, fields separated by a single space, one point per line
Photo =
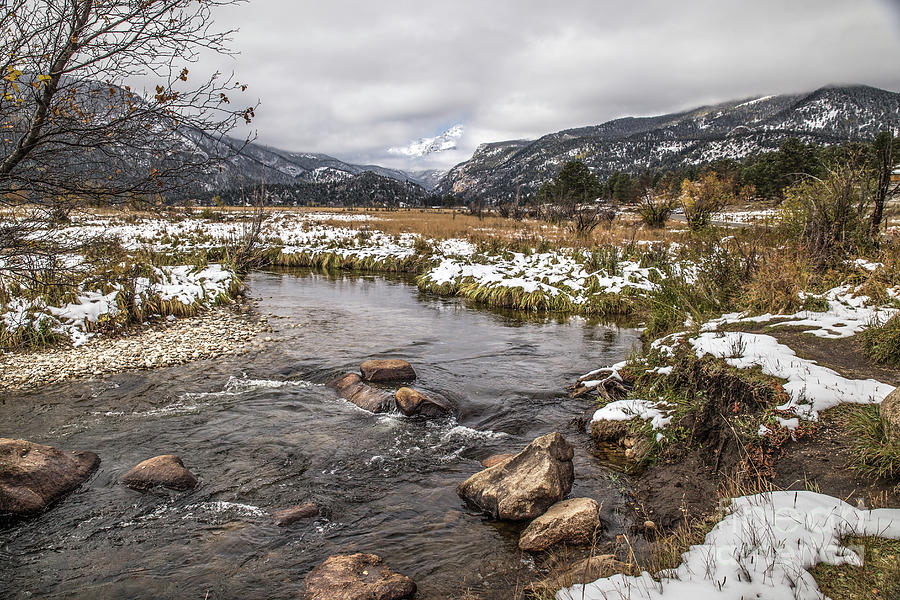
x=220 y=331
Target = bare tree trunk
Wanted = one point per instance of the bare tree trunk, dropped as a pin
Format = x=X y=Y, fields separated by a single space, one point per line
x=885 y=167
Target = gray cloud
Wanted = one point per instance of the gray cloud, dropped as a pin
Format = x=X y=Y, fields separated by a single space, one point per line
x=353 y=79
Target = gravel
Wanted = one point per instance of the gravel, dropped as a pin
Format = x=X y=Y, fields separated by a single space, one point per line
x=219 y=332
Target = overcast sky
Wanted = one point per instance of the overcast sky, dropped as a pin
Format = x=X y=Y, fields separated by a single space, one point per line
x=353 y=78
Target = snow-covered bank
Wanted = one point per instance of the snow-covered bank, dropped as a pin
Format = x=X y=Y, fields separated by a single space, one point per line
x=625 y=410
x=763 y=548
x=551 y=280
x=847 y=314
x=179 y=287
x=812 y=387
x=559 y=275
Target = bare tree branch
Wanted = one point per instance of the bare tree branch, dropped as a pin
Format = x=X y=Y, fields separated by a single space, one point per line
x=71 y=128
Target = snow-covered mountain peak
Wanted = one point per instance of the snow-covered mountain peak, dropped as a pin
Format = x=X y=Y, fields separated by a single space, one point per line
x=425 y=146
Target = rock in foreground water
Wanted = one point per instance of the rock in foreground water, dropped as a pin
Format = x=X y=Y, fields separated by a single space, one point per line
x=357 y=577
x=351 y=388
x=413 y=402
x=285 y=517
x=387 y=370
x=165 y=471
x=33 y=476
x=584 y=571
x=574 y=521
x=525 y=486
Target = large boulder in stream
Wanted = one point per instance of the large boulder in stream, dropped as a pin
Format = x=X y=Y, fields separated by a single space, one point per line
x=351 y=388
x=392 y=369
x=357 y=577
x=890 y=412
x=160 y=471
x=575 y=521
x=33 y=476
x=525 y=486
x=413 y=402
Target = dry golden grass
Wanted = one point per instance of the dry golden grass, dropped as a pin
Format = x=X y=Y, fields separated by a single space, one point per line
x=445 y=224
x=776 y=287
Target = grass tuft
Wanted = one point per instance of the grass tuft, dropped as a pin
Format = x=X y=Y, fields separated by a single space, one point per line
x=881 y=342
x=877 y=579
x=876 y=451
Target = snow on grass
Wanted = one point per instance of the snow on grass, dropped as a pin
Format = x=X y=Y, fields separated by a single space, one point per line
x=347 y=243
x=846 y=316
x=867 y=265
x=346 y=217
x=763 y=548
x=77 y=320
x=745 y=216
x=187 y=284
x=625 y=410
x=812 y=387
x=554 y=273
x=562 y=275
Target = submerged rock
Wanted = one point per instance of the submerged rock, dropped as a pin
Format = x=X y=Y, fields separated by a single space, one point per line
x=890 y=412
x=574 y=521
x=584 y=571
x=33 y=476
x=525 y=486
x=392 y=369
x=165 y=471
x=357 y=577
x=351 y=388
x=496 y=459
x=413 y=402
x=286 y=517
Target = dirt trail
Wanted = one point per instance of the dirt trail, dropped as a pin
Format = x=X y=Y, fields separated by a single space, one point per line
x=844 y=355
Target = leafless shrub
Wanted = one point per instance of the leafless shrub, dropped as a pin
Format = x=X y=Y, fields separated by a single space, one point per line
x=246 y=251
x=829 y=214
x=655 y=209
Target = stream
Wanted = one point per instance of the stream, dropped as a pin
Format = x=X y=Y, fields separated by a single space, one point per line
x=261 y=432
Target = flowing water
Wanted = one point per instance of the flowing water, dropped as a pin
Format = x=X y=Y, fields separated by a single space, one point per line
x=261 y=432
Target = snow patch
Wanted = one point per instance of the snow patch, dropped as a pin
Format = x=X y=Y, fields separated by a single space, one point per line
x=763 y=548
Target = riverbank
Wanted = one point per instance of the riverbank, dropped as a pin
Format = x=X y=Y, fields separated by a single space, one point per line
x=220 y=331
x=743 y=405
x=662 y=277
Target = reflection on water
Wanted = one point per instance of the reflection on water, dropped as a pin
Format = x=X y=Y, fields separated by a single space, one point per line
x=261 y=432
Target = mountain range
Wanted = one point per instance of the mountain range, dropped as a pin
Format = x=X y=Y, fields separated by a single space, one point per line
x=830 y=115
x=499 y=170
x=256 y=162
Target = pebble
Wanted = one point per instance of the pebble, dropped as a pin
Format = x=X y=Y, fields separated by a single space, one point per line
x=219 y=332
